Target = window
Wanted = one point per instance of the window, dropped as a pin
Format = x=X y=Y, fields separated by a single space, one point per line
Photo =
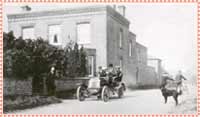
x=54 y=34
x=137 y=74
x=120 y=38
x=138 y=55
x=130 y=48
x=121 y=63
x=28 y=33
x=83 y=33
x=91 y=65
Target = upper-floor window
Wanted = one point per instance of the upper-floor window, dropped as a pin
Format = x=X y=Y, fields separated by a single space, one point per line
x=139 y=55
x=28 y=32
x=130 y=48
x=83 y=33
x=120 y=38
x=54 y=34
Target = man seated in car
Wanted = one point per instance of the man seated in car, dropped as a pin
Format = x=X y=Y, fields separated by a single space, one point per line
x=119 y=76
x=111 y=73
x=101 y=72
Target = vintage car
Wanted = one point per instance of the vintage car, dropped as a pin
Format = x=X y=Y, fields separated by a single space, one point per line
x=101 y=88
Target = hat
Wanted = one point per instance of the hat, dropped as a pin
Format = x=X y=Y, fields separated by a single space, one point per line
x=104 y=68
x=110 y=65
x=165 y=74
x=117 y=67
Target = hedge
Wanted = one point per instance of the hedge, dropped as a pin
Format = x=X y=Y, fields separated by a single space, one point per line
x=23 y=58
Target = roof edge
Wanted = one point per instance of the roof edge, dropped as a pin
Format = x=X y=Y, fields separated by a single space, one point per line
x=57 y=12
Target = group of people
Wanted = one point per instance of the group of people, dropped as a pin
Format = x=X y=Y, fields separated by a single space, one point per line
x=114 y=74
x=178 y=80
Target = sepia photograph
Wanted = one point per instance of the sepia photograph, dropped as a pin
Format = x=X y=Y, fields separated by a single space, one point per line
x=99 y=58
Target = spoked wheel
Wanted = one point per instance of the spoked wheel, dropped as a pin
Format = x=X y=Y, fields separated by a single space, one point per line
x=120 y=92
x=105 y=94
x=98 y=97
x=124 y=87
x=80 y=93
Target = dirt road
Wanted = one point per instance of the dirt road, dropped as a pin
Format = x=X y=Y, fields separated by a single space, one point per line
x=134 y=102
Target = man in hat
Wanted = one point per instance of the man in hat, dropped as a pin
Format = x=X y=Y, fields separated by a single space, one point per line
x=118 y=77
x=101 y=72
x=179 y=78
x=111 y=73
x=119 y=74
x=50 y=81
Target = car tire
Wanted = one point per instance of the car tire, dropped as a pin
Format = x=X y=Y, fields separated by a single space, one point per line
x=80 y=93
x=120 y=92
x=105 y=94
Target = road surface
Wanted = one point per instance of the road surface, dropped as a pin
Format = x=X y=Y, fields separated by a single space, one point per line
x=134 y=102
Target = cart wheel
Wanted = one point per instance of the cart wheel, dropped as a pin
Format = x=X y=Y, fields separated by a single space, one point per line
x=120 y=92
x=80 y=93
x=98 y=97
x=105 y=94
x=124 y=87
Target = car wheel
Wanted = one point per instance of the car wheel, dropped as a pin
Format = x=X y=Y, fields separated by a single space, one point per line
x=120 y=92
x=80 y=93
x=105 y=94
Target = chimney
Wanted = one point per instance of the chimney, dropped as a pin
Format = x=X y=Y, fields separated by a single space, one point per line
x=122 y=10
x=114 y=6
x=26 y=8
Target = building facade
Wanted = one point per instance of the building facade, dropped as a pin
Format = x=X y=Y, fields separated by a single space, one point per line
x=102 y=30
x=157 y=64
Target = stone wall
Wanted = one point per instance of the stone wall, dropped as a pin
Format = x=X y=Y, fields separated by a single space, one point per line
x=13 y=87
x=17 y=87
x=69 y=84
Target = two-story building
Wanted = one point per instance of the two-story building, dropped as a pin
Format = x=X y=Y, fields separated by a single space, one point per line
x=102 y=30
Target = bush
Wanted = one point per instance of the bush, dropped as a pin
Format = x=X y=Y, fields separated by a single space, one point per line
x=12 y=103
x=34 y=58
x=20 y=63
x=8 y=41
x=7 y=63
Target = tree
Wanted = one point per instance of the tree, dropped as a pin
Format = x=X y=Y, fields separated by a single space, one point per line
x=83 y=62
x=7 y=63
x=8 y=40
x=20 y=63
x=24 y=58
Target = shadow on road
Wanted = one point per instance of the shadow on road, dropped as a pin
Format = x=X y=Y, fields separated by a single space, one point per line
x=113 y=98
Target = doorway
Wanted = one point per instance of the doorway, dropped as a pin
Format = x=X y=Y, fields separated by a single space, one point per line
x=90 y=65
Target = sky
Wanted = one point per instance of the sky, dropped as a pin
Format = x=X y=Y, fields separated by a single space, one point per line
x=168 y=30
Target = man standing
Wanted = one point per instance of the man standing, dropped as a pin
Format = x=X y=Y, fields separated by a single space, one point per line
x=179 y=77
x=50 y=82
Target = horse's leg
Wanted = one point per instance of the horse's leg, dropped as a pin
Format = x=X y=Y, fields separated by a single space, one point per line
x=175 y=96
x=165 y=99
